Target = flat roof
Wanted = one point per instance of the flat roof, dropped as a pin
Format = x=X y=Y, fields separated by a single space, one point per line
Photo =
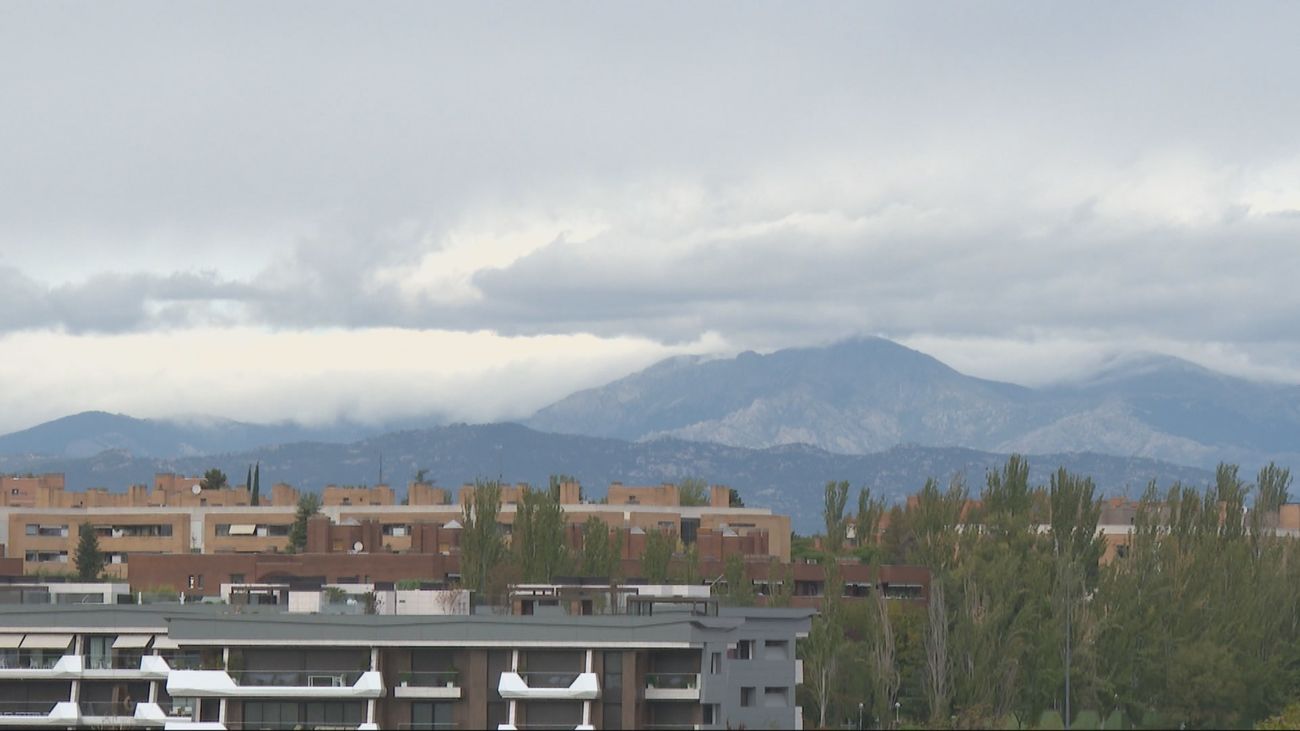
x=219 y=624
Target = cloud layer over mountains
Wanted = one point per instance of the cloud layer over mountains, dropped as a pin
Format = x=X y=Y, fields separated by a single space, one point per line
x=595 y=188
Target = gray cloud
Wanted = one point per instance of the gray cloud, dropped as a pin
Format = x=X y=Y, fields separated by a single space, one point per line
x=767 y=174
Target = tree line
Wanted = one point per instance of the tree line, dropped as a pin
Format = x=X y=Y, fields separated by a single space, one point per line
x=1197 y=623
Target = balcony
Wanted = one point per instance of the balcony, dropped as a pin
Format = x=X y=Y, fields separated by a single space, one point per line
x=16 y=714
x=102 y=714
x=275 y=684
x=126 y=667
x=548 y=686
x=428 y=685
x=672 y=686
x=39 y=666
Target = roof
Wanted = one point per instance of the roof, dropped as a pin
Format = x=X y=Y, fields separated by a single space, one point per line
x=217 y=624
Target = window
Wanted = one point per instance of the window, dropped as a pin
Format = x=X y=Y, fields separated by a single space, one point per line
x=432 y=715
x=747 y=697
x=708 y=714
x=196 y=581
x=745 y=650
x=613 y=690
x=776 y=650
x=1121 y=551
x=776 y=697
x=715 y=663
x=236 y=578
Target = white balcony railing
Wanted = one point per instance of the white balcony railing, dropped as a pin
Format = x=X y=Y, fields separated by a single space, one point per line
x=672 y=686
x=548 y=686
x=428 y=685
x=275 y=684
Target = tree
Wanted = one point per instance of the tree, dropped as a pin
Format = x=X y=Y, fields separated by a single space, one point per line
x=213 y=479
x=1274 y=485
x=693 y=491
x=739 y=591
x=89 y=559
x=308 y=505
x=825 y=647
x=837 y=495
x=481 y=544
x=538 y=540
x=938 y=689
x=867 y=521
x=600 y=553
x=659 y=547
x=248 y=481
x=733 y=498
x=257 y=485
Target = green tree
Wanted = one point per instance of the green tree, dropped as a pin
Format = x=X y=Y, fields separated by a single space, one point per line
x=837 y=495
x=539 y=541
x=89 y=559
x=1274 y=485
x=308 y=505
x=738 y=590
x=482 y=546
x=825 y=650
x=867 y=520
x=733 y=498
x=659 y=548
x=693 y=491
x=213 y=479
x=257 y=486
x=600 y=553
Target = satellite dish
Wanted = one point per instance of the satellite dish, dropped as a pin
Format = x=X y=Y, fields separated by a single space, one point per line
x=196 y=488
x=357 y=546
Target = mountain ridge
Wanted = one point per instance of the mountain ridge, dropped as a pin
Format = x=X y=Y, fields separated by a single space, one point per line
x=866 y=394
x=786 y=478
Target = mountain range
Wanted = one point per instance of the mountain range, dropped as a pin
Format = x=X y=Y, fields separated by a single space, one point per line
x=788 y=479
x=865 y=395
x=776 y=426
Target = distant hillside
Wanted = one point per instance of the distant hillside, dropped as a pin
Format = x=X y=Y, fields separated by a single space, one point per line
x=867 y=395
x=788 y=479
x=92 y=432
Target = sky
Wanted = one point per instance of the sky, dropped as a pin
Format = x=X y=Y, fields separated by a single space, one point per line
x=372 y=211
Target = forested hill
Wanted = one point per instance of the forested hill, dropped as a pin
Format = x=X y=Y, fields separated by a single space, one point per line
x=787 y=479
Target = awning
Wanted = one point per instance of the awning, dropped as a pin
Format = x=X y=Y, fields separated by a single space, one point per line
x=131 y=642
x=243 y=529
x=163 y=642
x=10 y=642
x=47 y=642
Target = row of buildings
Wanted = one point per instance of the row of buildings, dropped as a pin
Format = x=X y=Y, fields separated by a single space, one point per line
x=40 y=520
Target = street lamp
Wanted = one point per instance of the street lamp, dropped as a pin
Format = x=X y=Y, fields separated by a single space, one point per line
x=859 y=717
x=897 y=706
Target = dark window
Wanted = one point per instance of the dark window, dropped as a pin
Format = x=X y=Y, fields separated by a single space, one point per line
x=612 y=713
x=432 y=715
x=747 y=696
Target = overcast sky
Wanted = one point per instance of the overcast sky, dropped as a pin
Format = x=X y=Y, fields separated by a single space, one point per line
x=267 y=211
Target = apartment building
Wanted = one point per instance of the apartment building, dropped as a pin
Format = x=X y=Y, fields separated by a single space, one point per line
x=666 y=663
x=177 y=517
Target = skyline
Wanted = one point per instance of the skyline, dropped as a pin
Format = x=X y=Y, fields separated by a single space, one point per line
x=262 y=213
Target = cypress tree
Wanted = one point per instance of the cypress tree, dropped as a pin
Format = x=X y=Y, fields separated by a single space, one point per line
x=90 y=560
x=257 y=484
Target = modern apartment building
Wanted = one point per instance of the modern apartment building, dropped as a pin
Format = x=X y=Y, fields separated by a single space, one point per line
x=661 y=663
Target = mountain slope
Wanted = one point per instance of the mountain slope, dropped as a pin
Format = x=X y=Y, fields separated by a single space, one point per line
x=853 y=397
x=787 y=479
x=92 y=432
x=866 y=395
